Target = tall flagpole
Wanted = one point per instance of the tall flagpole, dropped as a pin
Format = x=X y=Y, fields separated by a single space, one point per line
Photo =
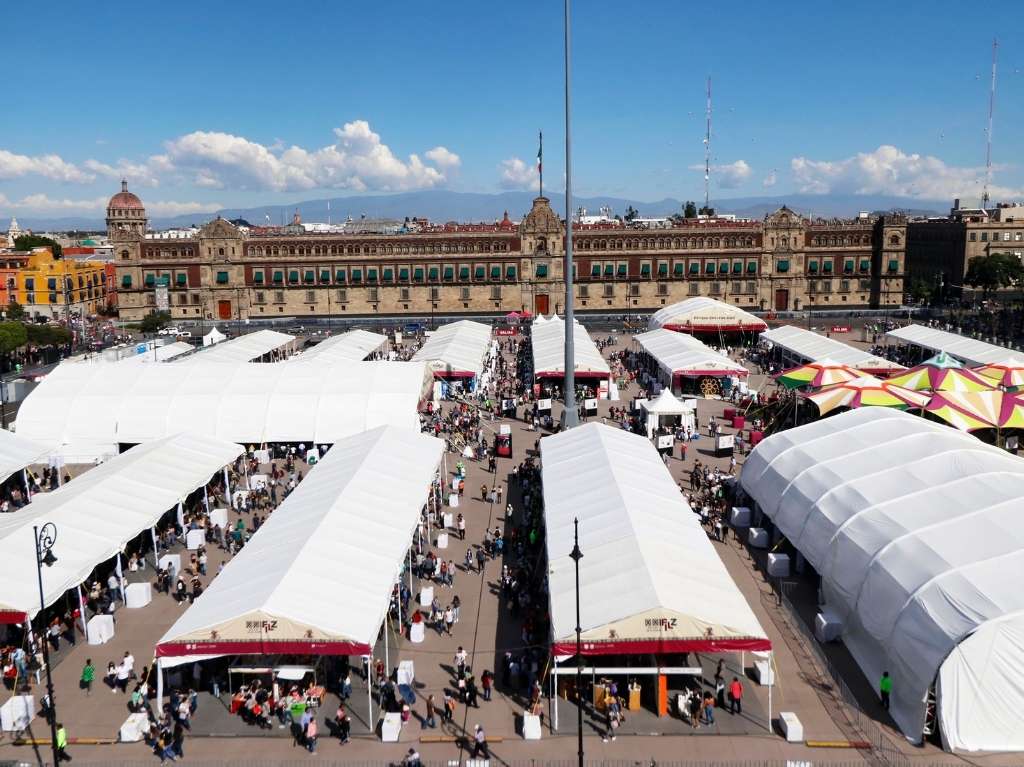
x=540 y=161
x=570 y=417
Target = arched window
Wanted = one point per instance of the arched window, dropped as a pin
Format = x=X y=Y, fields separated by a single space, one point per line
x=220 y=251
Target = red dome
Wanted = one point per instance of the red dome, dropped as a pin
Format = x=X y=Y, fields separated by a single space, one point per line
x=124 y=199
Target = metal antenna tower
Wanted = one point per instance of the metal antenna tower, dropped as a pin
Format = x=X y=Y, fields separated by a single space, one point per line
x=707 y=155
x=988 y=136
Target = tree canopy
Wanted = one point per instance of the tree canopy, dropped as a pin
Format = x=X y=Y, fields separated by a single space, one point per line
x=29 y=241
x=153 y=321
x=994 y=271
x=690 y=209
x=12 y=336
x=48 y=335
x=15 y=311
x=631 y=213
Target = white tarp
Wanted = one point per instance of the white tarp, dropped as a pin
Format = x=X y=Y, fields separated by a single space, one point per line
x=213 y=337
x=649 y=576
x=353 y=346
x=969 y=350
x=319 y=573
x=915 y=529
x=705 y=315
x=457 y=349
x=160 y=353
x=548 y=343
x=100 y=511
x=17 y=453
x=251 y=346
x=681 y=354
x=89 y=409
x=809 y=346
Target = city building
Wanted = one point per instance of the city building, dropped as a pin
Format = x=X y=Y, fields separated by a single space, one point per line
x=939 y=250
x=58 y=287
x=783 y=263
x=13 y=232
x=11 y=263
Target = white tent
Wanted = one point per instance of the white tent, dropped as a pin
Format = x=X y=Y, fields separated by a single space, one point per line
x=160 y=353
x=17 y=453
x=98 y=513
x=705 y=315
x=679 y=355
x=251 y=346
x=456 y=350
x=665 y=404
x=650 y=580
x=539 y=320
x=548 y=342
x=915 y=529
x=89 y=409
x=969 y=350
x=353 y=346
x=807 y=346
x=213 y=337
x=317 y=577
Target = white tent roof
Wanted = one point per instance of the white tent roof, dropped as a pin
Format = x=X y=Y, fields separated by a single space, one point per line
x=16 y=453
x=457 y=348
x=548 y=343
x=353 y=346
x=666 y=404
x=914 y=528
x=317 y=576
x=650 y=580
x=969 y=350
x=162 y=353
x=705 y=315
x=682 y=354
x=99 y=512
x=251 y=346
x=539 y=320
x=89 y=409
x=811 y=347
x=214 y=337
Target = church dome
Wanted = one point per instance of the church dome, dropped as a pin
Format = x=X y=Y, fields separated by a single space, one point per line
x=124 y=200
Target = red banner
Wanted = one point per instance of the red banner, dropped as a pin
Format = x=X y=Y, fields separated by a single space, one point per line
x=505 y=332
x=840 y=328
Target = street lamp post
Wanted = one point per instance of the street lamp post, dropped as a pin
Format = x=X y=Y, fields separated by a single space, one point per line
x=44 y=540
x=570 y=417
x=577 y=555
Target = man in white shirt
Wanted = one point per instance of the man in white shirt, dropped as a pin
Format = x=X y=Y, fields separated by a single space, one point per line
x=114 y=586
x=129 y=663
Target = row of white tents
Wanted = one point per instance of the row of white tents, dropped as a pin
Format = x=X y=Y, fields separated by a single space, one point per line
x=548 y=346
x=679 y=356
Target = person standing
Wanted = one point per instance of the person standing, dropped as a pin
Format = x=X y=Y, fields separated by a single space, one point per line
x=429 y=720
x=311 y=735
x=62 y=743
x=449 y=619
x=735 y=696
x=885 y=689
x=486 y=682
x=461 y=526
x=480 y=744
x=88 y=674
x=460 y=660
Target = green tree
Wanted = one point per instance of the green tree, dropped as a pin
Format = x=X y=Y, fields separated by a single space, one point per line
x=919 y=290
x=994 y=271
x=631 y=213
x=690 y=209
x=153 y=321
x=706 y=211
x=48 y=335
x=12 y=336
x=29 y=241
x=15 y=311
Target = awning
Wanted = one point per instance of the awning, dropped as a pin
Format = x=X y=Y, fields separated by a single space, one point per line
x=894 y=265
x=783 y=266
x=663 y=270
x=310 y=276
x=325 y=275
x=279 y=595
x=645 y=270
x=463 y=272
x=479 y=272
x=293 y=275
x=248 y=347
x=357 y=275
x=182 y=279
x=680 y=354
x=595 y=270
x=403 y=274
x=449 y=273
x=510 y=272
x=650 y=580
x=848 y=266
x=457 y=349
x=548 y=342
x=278 y=277
x=353 y=346
x=417 y=274
x=126 y=281
x=257 y=277
x=389 y=275
x=751 y=267
x=865 y=264
x=495 y=272
x=100 y=511
x=371 y=275
x=623 y=270
x=969 y=350
x=542 y=270
x=737 y=267
x=809 y=346
x=694 y=268
x=340 y=276
x=222 y=278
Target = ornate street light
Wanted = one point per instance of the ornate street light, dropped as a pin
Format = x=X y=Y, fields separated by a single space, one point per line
x=45 y=538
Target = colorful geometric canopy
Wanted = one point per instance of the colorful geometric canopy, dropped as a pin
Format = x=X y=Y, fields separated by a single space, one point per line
x=1009 y=372
x=941 y=373
x=817 y=374
x=979 y=410
x=869 y=390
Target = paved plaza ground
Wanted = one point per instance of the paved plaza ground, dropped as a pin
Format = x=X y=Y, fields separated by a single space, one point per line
x=486 y=629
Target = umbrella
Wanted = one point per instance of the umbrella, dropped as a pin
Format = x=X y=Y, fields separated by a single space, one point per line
x=979 y=410
x=866 y=391
x=1009 y=372
x=941 y=373
x=817 y=374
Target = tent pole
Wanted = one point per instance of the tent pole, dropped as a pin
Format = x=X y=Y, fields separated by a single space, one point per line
x=81 y=610
x=160 y=684
x=156 y=551
x=387 y=654
x=181 y=516
x=554 y=698
x=227 y=488
x=771 y=674
x=410 y=574
x=28 y=487
x=206 y=499
x=120 y=576
x=369 y=693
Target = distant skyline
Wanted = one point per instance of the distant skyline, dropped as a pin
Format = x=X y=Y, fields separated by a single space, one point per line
x=205 y=106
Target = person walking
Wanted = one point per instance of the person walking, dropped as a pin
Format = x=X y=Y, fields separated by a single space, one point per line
x=449 y=706
x=62 y=743
x=460 y=524
x=735 y=696
x=429 y=720
x=459 y=661
x=311 y=735
x=885 y=689
x=486 y=682
x=449 y=619
x=480 y=748
x=88 y=674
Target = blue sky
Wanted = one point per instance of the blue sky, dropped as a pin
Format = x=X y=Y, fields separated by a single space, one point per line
x=209 y=104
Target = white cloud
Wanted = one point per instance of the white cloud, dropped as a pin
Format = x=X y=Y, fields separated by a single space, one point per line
x=770 y=180
x=49 y=166
x=443 y=158
x=172 y=208
x=516 y=174
x=728 y=176
x=358 y=161
x=137 y=174
x=889 y=170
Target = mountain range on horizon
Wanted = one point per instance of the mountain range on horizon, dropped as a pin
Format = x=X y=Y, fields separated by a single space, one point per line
x=443 y=206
